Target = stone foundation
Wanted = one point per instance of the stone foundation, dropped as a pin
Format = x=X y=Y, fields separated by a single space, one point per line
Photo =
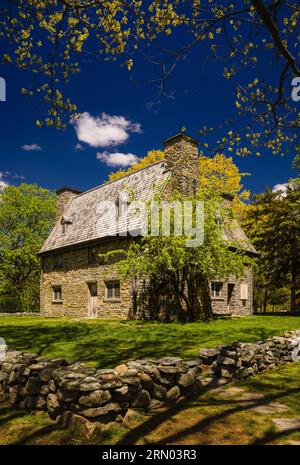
x=55 y=386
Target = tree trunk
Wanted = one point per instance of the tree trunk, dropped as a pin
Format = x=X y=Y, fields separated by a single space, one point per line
x=293 y=278
x=206 y=299
x=265 y=301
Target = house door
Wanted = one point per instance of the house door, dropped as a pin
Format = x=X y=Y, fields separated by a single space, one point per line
x=230 y=290
x=92 y=300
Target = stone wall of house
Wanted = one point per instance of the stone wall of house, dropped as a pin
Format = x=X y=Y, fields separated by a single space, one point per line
x=55 y=386
x=237 y=306
x=74 y=278
x=77 y=273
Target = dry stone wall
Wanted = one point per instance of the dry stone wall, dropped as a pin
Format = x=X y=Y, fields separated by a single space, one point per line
x=31 y=382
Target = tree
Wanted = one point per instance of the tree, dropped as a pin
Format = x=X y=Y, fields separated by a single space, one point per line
x=220 y=174
x=272 y=221
x=217 y=175
x=26 y=216
x=153 y=156
x=255 y=41
x=177 y=274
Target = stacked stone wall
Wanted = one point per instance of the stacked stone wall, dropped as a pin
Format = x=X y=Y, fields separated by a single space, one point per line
x=30 y=382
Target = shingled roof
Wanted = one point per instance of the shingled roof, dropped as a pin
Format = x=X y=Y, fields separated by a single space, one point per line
x=89 y=220
x=85 y=214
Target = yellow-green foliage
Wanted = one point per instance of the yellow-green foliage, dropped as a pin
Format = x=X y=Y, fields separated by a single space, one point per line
x=220 y=174
x=217 y=174
x=153 y=156
x=48 y=37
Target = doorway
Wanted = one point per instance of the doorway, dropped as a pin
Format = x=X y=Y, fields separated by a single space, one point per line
x=230 y=291
x=92 y=300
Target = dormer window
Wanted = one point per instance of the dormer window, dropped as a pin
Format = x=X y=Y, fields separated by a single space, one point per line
x=65 y=222
x=64 y=228
x=122 y=207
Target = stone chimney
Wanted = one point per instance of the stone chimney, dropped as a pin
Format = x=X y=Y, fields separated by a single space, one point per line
x=181 y=158
x=64 y=195
x=228 y=199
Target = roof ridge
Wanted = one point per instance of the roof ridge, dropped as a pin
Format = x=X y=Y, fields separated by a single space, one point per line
x=115 y=180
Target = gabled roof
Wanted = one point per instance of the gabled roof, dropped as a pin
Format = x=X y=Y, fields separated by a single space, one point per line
x=90 y=222
x=90 y=218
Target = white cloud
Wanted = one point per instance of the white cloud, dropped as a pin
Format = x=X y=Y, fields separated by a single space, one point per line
x=3 y=180
x=31 y=147
x=281 y=189
x=6 y=177
x=118 y=159
x=79 y=147
x=104 y=130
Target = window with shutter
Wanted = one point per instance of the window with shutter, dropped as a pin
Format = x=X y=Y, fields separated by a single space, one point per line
x=244 y=291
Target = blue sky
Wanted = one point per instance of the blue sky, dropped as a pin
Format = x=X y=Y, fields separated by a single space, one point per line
x=199 y=95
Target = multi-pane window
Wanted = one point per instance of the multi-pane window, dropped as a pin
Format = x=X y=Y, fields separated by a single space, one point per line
x=57 y=294
x=58 y=262
x=112 y=290
x=216 y=289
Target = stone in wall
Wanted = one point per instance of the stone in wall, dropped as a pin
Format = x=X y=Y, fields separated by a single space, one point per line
x=31 y=382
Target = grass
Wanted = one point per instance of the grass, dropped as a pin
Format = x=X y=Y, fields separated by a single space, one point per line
x=211 y=418
x=106 y=343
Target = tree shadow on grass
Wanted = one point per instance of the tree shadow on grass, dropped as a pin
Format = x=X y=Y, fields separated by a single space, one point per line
x=38 y=434
x=153 y=344
x=273 y=436
x=234 y=407
x=108 y=343
x=7 y=414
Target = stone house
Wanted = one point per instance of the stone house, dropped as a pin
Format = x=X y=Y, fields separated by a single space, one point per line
x=77 y=281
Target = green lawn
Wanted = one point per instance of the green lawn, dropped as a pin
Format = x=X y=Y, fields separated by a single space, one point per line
x=106 y=343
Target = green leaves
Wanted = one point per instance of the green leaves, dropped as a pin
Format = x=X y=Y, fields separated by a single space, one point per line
x=273 y=224
x=169 y=263
x=249 y=38
x=26 y=217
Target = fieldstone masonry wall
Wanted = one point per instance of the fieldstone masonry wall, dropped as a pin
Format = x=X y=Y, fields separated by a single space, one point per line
x=31 y=382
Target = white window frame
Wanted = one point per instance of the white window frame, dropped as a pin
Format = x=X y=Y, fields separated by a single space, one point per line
x=214 y=293
x=57 y=293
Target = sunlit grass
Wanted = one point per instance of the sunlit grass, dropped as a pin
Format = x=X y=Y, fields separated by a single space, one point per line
x=105 y=343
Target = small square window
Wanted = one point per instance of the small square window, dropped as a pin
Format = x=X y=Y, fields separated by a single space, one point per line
x=112 y=290
x=216 y=289
x=57 y=294
x=58 y=262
